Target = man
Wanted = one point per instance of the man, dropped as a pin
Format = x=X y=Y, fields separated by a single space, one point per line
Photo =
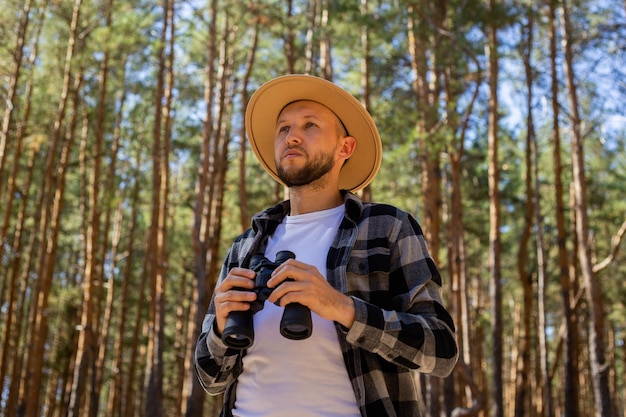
x=362 y=269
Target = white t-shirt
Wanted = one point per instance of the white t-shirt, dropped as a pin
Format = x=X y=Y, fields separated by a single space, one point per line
x=304 y=378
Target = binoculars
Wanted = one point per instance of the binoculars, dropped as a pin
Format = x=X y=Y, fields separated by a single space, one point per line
x=295 y=322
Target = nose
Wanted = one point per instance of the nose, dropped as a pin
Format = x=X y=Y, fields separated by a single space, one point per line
x=292 y=137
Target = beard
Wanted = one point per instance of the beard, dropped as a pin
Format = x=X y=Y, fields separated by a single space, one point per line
x=311 y=172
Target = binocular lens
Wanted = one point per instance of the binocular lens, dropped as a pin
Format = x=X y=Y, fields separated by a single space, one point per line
x=238 y=341
x=296 y=323
x=295 y=332
x=239 y=330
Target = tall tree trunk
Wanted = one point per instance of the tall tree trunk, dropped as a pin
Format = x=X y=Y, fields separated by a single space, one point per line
x=160 y=155
x=87 y=348
x=427 y=88
x=570 y=370
x=48 y=233
x=494 y=217
x=182 y=345
x=34 y=368
x=522 y=374
x=113 y=402
x=244 y=215
x=129 y=400
x=190 y=379
x=209 y=200
x=15 y=336
x=203 y=286
x=366 y=193
x=457 y=257
x=110 y=188
x=10 y=101
x=326 y=63
x=101 y=341
x=10 y=338
x=597 y=354
x=309 y=44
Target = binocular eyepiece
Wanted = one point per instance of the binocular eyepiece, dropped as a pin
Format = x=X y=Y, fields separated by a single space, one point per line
x=295 y=322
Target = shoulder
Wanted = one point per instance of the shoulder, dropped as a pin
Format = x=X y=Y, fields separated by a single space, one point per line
x=388 y=216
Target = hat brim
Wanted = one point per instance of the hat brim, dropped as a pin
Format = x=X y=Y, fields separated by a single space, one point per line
x=267 y=102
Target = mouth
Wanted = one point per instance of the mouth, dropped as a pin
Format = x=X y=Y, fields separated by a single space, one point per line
x=292 y=153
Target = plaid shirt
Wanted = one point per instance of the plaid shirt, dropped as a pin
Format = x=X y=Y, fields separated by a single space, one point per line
x=379 y=258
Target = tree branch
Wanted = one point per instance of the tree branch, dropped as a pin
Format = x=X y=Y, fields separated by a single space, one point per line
x=615 y=243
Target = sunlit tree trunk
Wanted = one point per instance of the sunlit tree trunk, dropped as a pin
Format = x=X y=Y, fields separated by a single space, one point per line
x=522 y=367
x=114 y=403
x=462 y=396
x=130 y=401
x=86 y=358
x=182 y=347
x=366 y=100
x=494 y=217
x=597 y=338
x=101 y=341
x=19 y=275
x=11 y=102
x=49 y=226
x=114 y=394
x=470 y=399
x=326 y=64
x=35 y=366
x=10 y=337
x=427 y=88
x=289 y=37
x=570 y=371
x=309 y=64
x=244 y=215
x=158 y=233
x=204 y=289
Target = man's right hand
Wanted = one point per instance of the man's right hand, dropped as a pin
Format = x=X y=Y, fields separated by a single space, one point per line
x=232 y=295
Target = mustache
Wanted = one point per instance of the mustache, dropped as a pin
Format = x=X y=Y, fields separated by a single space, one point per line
x=296 y=148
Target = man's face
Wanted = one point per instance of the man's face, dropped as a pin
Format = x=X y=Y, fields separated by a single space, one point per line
x=307 y=143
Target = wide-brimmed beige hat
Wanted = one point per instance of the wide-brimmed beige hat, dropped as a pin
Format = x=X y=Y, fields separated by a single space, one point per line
x=267 y=102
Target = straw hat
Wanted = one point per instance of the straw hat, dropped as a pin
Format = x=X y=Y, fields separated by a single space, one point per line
x=268 y=101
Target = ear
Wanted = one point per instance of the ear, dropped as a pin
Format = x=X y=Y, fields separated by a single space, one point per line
x=347 y=147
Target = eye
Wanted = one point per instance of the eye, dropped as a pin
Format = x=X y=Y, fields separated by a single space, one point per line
x=310 y=124
x=283 y=129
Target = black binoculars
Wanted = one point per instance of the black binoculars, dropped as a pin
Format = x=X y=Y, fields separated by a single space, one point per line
x=295 y=322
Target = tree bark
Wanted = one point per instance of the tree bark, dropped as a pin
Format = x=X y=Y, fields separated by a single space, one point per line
x=570 y=371
x=196 y=396
x=427 y=89
x=49 y=227
x=494 y=217
x=30 y=397
x=366 y=193
x=522 y=367
x=7 y=119
x=597 y=338
x=10 y=337
x=158 y=233
x=244 y=215
x=87 y=341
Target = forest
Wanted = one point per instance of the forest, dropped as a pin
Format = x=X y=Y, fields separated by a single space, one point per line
x=125 y=175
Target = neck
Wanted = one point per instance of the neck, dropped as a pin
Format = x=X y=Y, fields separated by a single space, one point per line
x=306 y=200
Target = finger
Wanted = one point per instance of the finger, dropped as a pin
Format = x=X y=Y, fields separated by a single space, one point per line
x=292 y=270
x=287 y=298
x=243 y=273
x=233 y=300
x=290 y=292
x=227 y=307
x=237 y=278
x=235 y=295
